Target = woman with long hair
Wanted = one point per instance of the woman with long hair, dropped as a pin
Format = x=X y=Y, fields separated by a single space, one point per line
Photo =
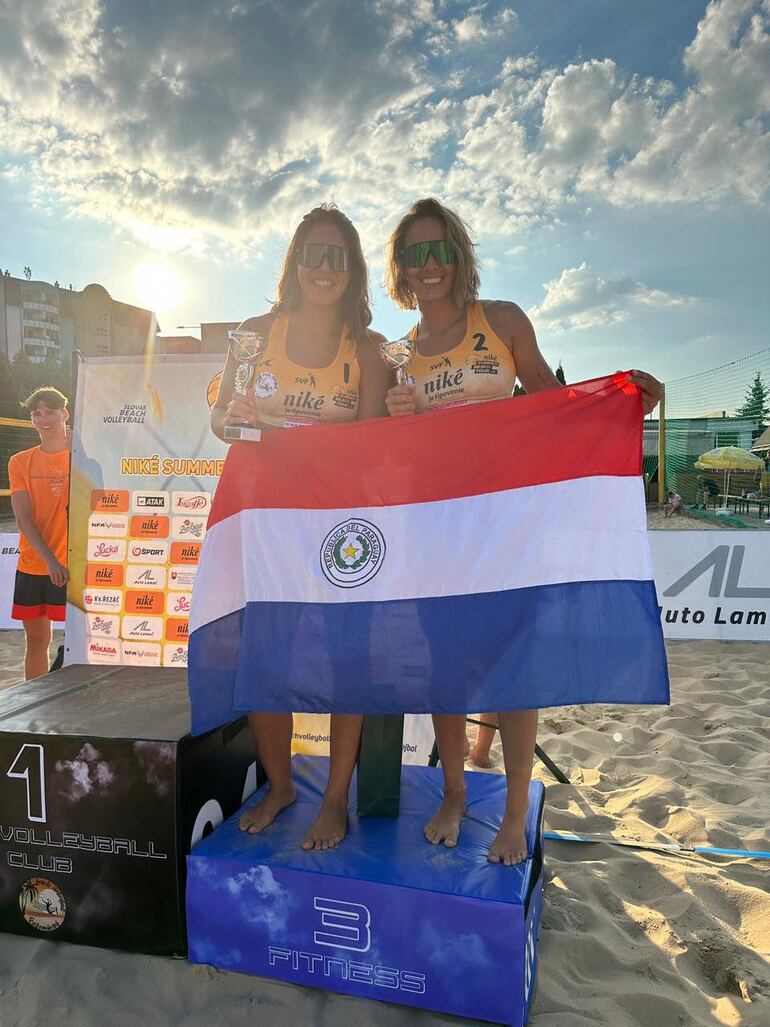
x=320 y=364
x=468 y=350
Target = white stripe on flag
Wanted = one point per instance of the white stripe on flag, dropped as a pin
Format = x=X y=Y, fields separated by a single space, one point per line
x=583 y=529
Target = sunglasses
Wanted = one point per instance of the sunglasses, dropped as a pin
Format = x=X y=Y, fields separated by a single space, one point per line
x=416 y=255
x=311 y=254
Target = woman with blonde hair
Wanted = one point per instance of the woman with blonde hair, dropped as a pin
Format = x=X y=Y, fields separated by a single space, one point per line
x=467 y=351
x=320 y=365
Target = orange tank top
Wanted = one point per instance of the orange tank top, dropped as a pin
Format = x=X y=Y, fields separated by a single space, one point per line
x=290 y=395
x=479 y=368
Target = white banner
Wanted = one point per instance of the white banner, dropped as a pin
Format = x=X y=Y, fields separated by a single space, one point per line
x=145 y=465
x=9 y=556
x=713 y=584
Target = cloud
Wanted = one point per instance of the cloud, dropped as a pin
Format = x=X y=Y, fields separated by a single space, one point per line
x=473 y=28
x=84 y=774
x=157 y=760
x=211 y=126
x=579 y=298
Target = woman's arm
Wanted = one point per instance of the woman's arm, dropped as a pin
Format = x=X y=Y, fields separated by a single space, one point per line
x=514 y=327
x=375 y=378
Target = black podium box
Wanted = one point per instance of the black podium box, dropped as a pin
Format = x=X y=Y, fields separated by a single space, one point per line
x=102 y=794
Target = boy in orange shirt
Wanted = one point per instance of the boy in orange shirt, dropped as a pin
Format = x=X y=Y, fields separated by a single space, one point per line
x=39 y=480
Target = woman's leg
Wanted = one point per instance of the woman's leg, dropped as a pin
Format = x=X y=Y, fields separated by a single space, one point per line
x=518 y=732
x=272 y=733
x=330 y=825
x=450 y=738
x=479 y=754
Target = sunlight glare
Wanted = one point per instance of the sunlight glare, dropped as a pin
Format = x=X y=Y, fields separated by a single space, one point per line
x=158 y=286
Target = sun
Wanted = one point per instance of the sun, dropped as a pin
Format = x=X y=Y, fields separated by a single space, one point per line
x=158 y=286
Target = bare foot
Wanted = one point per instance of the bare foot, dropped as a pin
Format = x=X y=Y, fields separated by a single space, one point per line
x=510 y=845
x=329 y=827
x=478 y=760
x=445 y=826
x=267 y=809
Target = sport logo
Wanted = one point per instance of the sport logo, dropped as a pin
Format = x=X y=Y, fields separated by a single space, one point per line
x=191 y=502
x=102 y=626
x=148 y=628
x=42 y=904
x=179 y=603
x=265 y=385
x=146 y=502
x=352 y=553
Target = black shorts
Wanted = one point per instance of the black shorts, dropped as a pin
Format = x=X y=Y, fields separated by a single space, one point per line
x=35 y=595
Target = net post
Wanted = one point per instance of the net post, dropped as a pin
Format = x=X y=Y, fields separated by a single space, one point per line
x=662 y=447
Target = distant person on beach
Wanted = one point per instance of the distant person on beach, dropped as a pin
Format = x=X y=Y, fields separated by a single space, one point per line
x=432 y=266
x=674 y=504
x=39 y=480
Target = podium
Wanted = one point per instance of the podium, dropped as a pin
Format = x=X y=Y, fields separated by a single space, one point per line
x=385 y=915
x=102 y=794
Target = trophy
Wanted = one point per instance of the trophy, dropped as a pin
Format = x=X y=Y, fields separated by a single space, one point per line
x=247 y=348
x=398 y=354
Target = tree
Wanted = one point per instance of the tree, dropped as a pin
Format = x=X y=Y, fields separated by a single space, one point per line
x=9 y=392
x=756 y=402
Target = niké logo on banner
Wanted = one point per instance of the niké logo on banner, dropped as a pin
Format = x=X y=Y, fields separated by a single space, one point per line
x=725 y=571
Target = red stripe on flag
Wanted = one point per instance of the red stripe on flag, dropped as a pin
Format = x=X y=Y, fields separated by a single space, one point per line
x=592 y=428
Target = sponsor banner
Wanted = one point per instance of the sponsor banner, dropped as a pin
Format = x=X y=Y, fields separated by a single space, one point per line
x=713 y=585
x=181 y=578
x=310 y=736
x=174 y=655
x=144 y=602
x=105 y=575
x=144 y=629
x=141 y=654
x=190 y=504
x=108 y=600
x=143 y=526
x=185 y=552
x=107 y=525
x=178 y=604
x=106 y=550
x=147 y=552
x=150 y=502
x=141 y=576
x=9 y=557
x=100 y=650
x=101 y=625
x=145 y=465
x=188 y=528
x=110 y=500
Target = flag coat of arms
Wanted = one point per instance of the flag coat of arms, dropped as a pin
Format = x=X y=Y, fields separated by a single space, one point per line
x=486 y=557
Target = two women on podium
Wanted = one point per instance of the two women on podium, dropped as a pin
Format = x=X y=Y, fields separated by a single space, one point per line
x=324 y=366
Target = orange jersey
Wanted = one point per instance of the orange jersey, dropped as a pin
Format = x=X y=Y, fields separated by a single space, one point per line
x=46 y=478
x=480 y=367
x=289 y=395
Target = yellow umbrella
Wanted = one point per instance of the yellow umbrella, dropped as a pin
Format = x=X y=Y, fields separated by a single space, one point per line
x=729 y=458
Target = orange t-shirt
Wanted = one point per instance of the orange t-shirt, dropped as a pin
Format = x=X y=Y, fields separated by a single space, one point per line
x=46 y=478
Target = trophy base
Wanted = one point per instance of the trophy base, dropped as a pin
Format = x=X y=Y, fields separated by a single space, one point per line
x=242 y=433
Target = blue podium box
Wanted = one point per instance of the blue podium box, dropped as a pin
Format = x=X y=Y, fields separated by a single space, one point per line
x=385 y=915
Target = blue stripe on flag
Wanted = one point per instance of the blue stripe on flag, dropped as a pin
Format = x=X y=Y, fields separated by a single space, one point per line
x=550 y=645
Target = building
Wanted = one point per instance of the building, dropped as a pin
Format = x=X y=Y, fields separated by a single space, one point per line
x=44 y=320
x=214 y=337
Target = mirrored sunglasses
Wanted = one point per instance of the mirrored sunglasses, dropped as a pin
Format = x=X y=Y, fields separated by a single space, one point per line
x=417 y=254
x=311 y=254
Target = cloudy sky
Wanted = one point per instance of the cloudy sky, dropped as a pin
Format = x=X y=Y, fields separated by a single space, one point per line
x=611 y=157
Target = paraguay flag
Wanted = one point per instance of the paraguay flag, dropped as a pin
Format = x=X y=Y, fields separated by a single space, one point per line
x=486 y=557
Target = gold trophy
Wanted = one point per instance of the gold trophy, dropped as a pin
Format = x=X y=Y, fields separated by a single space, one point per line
x=398 y=354
x=247 y=348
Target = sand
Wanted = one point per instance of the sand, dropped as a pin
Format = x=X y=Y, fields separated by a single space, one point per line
x=628 y=936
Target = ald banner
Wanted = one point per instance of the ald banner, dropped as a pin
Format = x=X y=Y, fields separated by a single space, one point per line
x=713 y=584
x=145 y=465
